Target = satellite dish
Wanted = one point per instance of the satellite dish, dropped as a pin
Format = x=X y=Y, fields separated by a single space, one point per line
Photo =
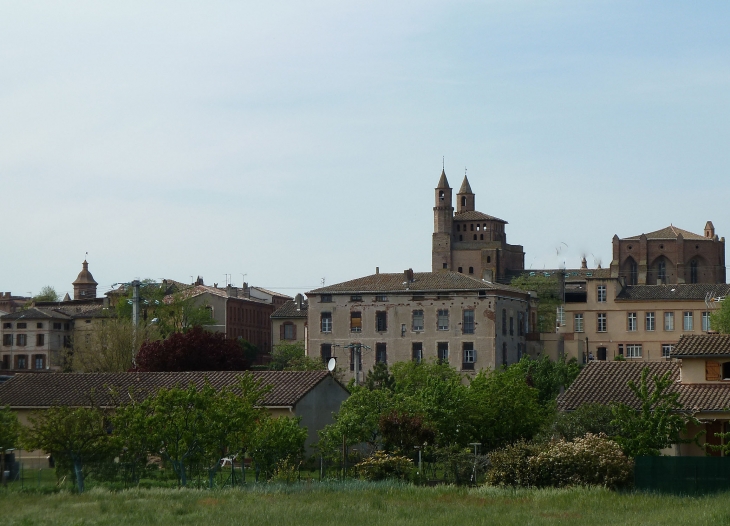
x=331 y=364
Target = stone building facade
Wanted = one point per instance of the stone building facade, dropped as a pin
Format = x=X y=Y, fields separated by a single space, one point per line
x=469 y=323
x=289 y=322
x=670 y=255
x=468 y=241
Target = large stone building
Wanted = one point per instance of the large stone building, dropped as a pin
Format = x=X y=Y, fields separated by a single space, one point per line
x=447 y=316
x=289 y=322
x=670 y=255
x=468 y=241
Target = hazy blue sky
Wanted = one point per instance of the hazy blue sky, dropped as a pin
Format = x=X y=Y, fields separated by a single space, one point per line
x=295 y=141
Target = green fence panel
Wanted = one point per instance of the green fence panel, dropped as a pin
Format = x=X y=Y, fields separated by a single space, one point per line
x=682 y=475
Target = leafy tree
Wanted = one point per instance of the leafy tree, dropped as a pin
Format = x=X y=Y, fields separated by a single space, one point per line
x=276 y=441
x=548 y=376
x=588 y=418
x=720 y=319
x=173 y=311
x=505 y=409
x=195 y=350
x=379 y=378
x=291 y=357
x=78 y=438
x=548 y=294
x=9 y=432
x=657 y=424
x=402 y=431
x=111 y=345
x=47 y=293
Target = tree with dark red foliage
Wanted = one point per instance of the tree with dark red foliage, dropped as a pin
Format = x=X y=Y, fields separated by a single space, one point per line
x=195 y=350
x=402 y=431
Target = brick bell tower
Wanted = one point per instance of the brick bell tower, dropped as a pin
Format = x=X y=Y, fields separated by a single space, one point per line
x=443 y=219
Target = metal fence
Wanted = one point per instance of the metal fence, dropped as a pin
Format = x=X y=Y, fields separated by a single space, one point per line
x=682 y=475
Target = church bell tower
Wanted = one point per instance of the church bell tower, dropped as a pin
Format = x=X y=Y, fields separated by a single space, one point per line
x=443 y=218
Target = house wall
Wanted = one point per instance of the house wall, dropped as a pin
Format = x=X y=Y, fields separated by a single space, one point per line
x=50 y=350
x=617 y=332
x=488 y=338
x=276 y=324
x=318 y=406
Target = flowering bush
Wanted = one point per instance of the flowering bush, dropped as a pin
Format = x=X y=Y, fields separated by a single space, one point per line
x=591 y=460
x=382 y=466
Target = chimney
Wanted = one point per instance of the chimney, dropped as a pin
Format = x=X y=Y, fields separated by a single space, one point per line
x=408 y=275
x=299 y=300
x=377 y=270
x=583 y=263
x=231 y=291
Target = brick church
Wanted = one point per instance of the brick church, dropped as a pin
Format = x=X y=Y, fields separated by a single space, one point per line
x=470 y=242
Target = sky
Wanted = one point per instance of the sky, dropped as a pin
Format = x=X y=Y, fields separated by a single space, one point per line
x=287 y=143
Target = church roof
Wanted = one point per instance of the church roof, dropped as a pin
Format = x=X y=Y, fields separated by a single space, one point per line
x=443 y=182
x=85 y=277
x=465 y=187
x=473 y=215
x=670 y=232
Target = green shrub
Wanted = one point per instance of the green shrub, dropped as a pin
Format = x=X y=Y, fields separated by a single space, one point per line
x=381 y=466
x=593 y=460
x=588 y=418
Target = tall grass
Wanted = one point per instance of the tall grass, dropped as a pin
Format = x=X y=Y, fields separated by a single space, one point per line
x=360 y=503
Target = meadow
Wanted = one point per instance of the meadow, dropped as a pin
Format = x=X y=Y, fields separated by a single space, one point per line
x=355 y=503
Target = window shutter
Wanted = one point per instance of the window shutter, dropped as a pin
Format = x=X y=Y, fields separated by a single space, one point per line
x=712 y=371
x=281 y=331
x=294 y=332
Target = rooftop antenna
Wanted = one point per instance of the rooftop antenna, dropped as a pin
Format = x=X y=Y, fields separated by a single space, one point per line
x=443 y=162
x=322 y=280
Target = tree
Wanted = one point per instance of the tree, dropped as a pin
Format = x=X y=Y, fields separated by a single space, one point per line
x=549 y=298
x=9 y=432
x=657 y=424
x=720 y=319
x=291 y=357
x=504 y=408
x=195 y=350
x=379 y=378
x=111 y=345
x=47 y=293
x=275 y=441
x=588 y=418
x=77 y=437
x=548 y=376
x=402 y=431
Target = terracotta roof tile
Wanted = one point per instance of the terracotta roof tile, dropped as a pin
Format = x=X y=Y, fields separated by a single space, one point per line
x=473 y=215
x=422 y=282
x=45 y=390
x=681 y=291
x=670 y=232
x=35 y=313
x=702 y=345
x=605 y=383
x=289 y=310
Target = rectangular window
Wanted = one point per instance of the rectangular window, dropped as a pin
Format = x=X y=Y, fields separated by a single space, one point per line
x=632 y=321
x=39 y=325
x=356 y=297
x=601 y=325
x=7 y=340
x=511 y=326
x=352 y=359
x=706 y=322
x=289 y=331
x=21 y=325
x=633 y=351
x=442 y=322
x=326 y=298
x=355 y=321
x=668 y=321
x=21 y=340
x=39 y=361
x=7 y=325
x=469 y=356
x=443 y=352
x=601 y=293
x=21 y=362
x=418 y=297
x=325 y=351
x=417 y=352
x=40 y=340
x=381 y=355
x=326 y=322
x=650 y=321
x=578 y=323
x=504 y=322
x=381 y=321
x=667 y=349
x=620 y=349
x=521 y=323
x=560 y=316
x=6 y=362
x=381 y=297
x=688 y=321
x=468 y=327
x=417 y=320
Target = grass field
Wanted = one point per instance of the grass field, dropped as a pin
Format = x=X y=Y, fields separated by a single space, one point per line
x=357 y=503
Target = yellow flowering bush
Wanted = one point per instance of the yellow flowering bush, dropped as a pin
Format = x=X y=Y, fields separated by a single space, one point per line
x=381 y=466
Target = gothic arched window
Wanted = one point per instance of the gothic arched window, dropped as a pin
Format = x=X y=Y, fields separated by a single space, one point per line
x=693 y=271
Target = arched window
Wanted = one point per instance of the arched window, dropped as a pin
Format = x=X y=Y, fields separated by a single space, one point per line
x=441 y=195
x=471 y=270
x=693 y=271
x=662 y=271
x=463 y=201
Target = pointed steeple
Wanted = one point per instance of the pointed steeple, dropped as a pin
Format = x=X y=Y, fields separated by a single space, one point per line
x=465 y=187
x=443 y=182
